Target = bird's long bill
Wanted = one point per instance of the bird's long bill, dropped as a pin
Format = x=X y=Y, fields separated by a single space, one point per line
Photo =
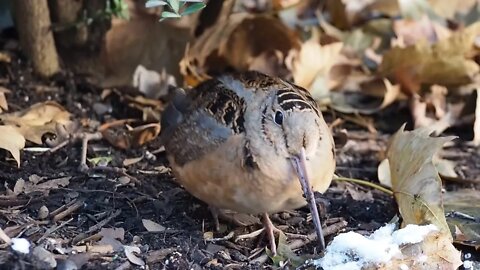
x=300 y=165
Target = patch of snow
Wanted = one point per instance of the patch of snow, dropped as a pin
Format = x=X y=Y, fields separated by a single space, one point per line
x=412 y=234
x=353 y=251
x=467 y=264
x=21 y=245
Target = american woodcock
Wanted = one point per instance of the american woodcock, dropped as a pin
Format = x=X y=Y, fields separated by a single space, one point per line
x=242 y=142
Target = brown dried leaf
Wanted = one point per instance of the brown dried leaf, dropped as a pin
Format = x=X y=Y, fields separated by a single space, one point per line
x=421 y=117
x=311 y=65
x=130 y=161
x=47 y=186
x=114 y=233
x=420 y=63
x=152 y=226
x=359 y=195
x=3 y=99
x=415 y=180
x=235 y=42
x=409 y=32
x=130 y=253
x=37 y=120
x=12 y=140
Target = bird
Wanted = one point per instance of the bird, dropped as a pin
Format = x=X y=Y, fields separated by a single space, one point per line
x=247 y=142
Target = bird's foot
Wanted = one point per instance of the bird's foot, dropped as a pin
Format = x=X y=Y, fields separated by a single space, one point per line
x=270 y=231
x=238 y=219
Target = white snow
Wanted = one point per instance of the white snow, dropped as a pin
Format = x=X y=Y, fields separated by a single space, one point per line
x=352 y=251
x=467 y=264
x=21 y=245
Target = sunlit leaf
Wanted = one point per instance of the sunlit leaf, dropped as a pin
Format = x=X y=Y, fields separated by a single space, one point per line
x=415 y=180
x=168 y=14
x=155 y=3
x=175 y=5
x=12 y=141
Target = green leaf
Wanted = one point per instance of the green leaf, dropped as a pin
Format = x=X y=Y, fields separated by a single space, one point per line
x=193 y=8
x=168 y=14
x=284 y=253
x=101 y=161
x=175 y=5
x=154 y=3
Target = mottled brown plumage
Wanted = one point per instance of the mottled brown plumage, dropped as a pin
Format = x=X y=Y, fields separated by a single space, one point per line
x=231 y=142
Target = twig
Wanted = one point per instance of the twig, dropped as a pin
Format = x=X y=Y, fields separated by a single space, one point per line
x=329 y=230
x=332 y=229
x=365 y=183
x=83 y=167
x=104 y=222
x=53 y=229
x=5 y=237
x=72 y=208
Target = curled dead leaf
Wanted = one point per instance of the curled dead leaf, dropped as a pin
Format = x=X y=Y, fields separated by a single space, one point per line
x=311 y=65
x=120 y=134
x=234 y=43
x=12 y=140
x=38 y=119
x=132 y=257
x=415 y=180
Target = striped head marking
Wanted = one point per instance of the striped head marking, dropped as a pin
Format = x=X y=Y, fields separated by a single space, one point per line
x=291 y=120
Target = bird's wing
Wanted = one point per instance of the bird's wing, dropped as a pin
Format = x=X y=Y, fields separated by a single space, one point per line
x=200 y=121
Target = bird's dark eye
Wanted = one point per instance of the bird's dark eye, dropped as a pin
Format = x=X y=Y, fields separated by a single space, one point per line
x=278 y=118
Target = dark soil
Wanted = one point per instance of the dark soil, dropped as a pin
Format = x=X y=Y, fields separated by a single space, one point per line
x=150 y=194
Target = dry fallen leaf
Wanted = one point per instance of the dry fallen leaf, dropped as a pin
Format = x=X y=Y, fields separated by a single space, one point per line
x=152 y=226
x=422 y=118
x=356 y=102
x=311 y=65
x=359 y=195
x=38 y=119
x=3 y=99
x=12 y=141
x=235 y=42
x=415 y=180
x=44 y=256
x=130 y=161
x=420 y=63
x=409 y=32
x=46 y=186
x=120 y=134
x=130 y=253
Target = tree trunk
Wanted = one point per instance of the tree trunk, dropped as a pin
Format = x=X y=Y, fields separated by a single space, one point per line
x=32 y=19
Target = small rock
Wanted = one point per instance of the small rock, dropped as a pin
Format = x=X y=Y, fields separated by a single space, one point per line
x=43 y=212
x=44 y=256
x=238 y=256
